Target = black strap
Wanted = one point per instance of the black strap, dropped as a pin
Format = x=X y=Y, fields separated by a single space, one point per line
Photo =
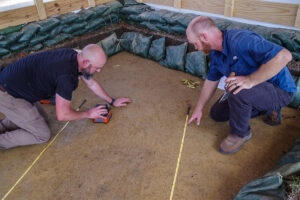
x=112 y=102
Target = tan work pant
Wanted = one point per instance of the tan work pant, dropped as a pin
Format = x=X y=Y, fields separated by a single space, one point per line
x=23 y=123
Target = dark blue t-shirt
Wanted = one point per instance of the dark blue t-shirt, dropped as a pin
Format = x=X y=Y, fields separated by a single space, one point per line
x=243 y=53
x=41 y=75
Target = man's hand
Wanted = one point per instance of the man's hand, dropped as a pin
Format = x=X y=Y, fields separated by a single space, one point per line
x=121 y=102
x=239 y=82
x=96 y=111
x=197 y=115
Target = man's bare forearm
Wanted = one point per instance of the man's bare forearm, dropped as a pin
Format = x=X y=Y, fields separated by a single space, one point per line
x=97 y=89
x=271 y=68
x=207 y=92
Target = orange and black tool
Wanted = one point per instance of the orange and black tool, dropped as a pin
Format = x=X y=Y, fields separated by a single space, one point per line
x=226 y=94
x=48 y=101
x=104 y=118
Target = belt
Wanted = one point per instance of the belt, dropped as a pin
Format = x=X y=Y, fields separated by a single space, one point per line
x=2 y=89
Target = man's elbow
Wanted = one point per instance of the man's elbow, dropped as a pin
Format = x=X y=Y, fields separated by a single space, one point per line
x=286 y=56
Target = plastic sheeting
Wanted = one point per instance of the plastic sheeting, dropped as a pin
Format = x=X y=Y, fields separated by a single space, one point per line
x=271 y=186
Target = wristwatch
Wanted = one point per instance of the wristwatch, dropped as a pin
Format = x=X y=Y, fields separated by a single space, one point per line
x=112 y=102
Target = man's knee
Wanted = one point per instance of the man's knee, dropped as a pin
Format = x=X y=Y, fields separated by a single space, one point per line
x=240 y=97
x=43 y=135
x=218 y=115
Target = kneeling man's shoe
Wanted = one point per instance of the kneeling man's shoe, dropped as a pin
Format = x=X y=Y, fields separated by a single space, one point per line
x=233 y=143
x=274 y=118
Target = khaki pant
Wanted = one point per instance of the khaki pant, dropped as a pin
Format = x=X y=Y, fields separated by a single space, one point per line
x=23 y=123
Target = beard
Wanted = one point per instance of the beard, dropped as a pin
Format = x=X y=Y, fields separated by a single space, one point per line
x=206 y=48
x=86 y=73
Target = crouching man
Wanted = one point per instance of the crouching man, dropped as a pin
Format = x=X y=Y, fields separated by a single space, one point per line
x=42 y=75
x=262 y=83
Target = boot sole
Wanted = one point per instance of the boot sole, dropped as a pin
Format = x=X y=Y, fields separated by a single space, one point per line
x=237 y=149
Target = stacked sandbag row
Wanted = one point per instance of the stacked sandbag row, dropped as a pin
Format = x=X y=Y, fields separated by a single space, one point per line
x=35 y=36
x=174 y=22
x=173 y=57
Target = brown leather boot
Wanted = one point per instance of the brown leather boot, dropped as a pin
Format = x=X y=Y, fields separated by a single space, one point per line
x=274 y=118
x=233 y=143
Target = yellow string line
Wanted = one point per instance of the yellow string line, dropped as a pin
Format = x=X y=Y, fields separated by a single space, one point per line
x=38 y=157
x=179 y=157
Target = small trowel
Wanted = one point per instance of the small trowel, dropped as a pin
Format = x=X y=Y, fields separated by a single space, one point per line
x=226 y=94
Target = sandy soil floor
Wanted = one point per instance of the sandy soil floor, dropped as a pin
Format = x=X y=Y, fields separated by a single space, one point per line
x=134 y=156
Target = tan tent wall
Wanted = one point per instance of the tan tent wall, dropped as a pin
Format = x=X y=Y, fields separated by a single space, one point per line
x=44 y=10
x=271 y=12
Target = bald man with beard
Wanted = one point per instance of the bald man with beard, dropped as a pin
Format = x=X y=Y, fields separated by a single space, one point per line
x=42 y=75
x=262 y=82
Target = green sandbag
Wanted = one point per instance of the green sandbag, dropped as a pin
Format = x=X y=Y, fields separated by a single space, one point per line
x=57 y=30
x=59 y=38
x=196 y=64
x=169 y=16
x=237 y=25
x=135 y=9
x=10 y=29
x=126 y=40
x=285 y=37
x=79 y=32
x=140 y=45
x=114 y=7
x=163 y=27
x=35 y=47
x=95 y=24
x=74 y=27
x=221 y=23
x=68 y=18
x=297 y=40
x=28 y=32
x=178 y=29
x=151 y=16
x=99 y=10
x=295 y=102
x=185 y=19
x=111 y=45
x=112 y=19
x=86 y=14
x=149 y=26
x=175 y=56
x=132 y=17
x=130 y=2
x=296 y=56
x=3 y=51
x=38 y=39
x=19 y=46
x=157 y=49
x=11 y=38
x=48 y=24
x=265 y=32
x=276 y=41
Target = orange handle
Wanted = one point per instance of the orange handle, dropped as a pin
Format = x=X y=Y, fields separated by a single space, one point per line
x=232 y=74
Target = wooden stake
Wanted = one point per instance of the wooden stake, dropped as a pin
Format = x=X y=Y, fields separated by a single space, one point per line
x=297 y=21
x=229 y=8
x=92 y=3
x=40 y=9
x=177 y=4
